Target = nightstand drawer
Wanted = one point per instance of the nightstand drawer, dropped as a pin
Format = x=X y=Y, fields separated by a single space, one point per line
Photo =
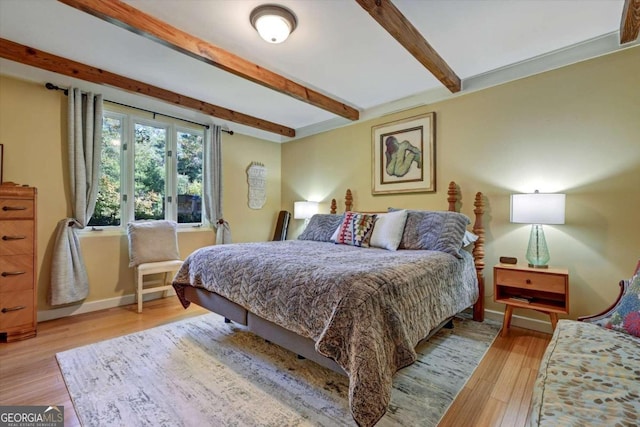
x=529 y=280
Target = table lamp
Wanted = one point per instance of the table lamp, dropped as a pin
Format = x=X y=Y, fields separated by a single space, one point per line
x=537 y=209
x=305 y=210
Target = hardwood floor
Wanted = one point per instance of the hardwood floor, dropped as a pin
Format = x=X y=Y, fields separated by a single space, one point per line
x=499 y=391
x=497 y=394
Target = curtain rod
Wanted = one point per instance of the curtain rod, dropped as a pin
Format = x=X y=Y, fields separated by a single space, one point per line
x=51 y=86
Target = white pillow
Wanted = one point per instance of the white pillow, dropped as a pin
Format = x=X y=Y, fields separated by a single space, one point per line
x=469 y=238
x=334 y=236
x=152 y=241
x=388 y=229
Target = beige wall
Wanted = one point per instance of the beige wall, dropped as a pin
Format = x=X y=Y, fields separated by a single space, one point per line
x=34 y=138
x=574 y=130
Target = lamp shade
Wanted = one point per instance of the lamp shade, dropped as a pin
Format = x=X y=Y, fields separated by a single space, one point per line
x=537 y=208
x=304 y=210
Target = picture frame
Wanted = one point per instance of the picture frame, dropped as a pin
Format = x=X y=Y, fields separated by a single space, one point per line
x=1 y=161
x=403 y=156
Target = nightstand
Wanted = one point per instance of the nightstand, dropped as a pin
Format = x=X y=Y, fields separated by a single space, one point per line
x=518 y=286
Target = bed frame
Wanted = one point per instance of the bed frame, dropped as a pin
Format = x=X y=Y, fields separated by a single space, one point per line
x=305 y=347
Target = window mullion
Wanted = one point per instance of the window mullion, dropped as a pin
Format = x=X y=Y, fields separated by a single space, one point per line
x=172 y=175
x=128 y=176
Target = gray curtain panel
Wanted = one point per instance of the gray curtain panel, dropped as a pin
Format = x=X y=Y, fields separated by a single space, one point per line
x=212 y=186
x=69 y=280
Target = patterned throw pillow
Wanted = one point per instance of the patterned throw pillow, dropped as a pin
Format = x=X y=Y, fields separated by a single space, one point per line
x=321 y=227
x=356 y=229
x=625 y=317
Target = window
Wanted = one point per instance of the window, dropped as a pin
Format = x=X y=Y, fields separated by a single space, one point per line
x=107 y=210
x=150 y=170
x=189 y=157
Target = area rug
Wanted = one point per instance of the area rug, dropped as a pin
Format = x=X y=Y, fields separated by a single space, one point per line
x=204 y=372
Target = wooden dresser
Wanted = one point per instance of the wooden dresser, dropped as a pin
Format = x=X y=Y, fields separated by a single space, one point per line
x=18 y=290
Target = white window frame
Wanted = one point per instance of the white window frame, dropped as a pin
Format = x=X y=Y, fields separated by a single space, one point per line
x=127 y=161
x=174 y=175
x=130 y=161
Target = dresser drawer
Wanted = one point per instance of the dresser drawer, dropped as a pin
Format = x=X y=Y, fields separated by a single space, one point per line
x=16 y=309
x=529 y=280
x=16 y=237
x=16 y=273
x=16 y=209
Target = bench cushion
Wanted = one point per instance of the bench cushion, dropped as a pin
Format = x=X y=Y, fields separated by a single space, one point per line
x=589 y=375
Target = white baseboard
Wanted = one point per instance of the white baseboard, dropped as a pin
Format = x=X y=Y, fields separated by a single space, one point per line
x=87 y=307
x=522 y=322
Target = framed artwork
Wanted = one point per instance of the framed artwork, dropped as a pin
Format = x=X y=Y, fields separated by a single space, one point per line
x=1 y=161
x=404 y=156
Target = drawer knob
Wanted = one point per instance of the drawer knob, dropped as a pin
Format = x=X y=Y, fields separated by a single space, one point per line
x=16 y=308
x=14 y=208
x=528 y=281
x=13 y=237
x=12 y=273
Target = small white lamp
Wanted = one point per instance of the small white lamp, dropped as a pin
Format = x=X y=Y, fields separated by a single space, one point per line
x=305 y=210
x=537 y=209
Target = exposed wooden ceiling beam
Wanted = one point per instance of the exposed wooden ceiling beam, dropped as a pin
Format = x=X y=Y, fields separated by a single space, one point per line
x=134 y=20
x=630 y=22
x=46 y=61
x=396 y=24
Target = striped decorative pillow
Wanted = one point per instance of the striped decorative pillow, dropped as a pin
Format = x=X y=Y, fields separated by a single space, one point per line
x=356 y=229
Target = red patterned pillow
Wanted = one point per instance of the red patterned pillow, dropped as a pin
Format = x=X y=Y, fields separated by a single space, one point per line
x=356 y=229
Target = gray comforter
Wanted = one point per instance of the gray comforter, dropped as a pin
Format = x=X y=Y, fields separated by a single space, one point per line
x=365 y=308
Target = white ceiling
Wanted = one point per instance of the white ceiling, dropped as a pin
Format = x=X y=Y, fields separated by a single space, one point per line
x=337 y=49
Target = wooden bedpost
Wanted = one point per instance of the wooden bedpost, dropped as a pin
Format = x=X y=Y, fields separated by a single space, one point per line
x=453 y=196
x=478 y=256
x=348 y=200
x=478 y=247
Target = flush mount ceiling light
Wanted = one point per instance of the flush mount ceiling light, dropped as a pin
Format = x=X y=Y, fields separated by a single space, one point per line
x=274 y=23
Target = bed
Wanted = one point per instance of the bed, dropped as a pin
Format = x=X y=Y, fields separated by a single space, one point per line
x=359 y=311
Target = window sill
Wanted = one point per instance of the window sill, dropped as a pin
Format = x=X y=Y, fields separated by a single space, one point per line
x=116 y=231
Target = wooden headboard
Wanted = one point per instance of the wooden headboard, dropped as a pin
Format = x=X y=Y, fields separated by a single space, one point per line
x=453 y=199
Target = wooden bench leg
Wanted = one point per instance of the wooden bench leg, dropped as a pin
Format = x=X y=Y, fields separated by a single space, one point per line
x=139 y=286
